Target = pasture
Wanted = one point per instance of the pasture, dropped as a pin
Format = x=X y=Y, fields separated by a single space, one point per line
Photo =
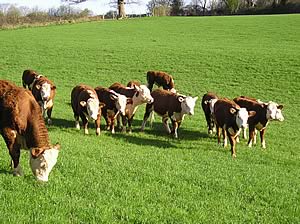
x=150 y=177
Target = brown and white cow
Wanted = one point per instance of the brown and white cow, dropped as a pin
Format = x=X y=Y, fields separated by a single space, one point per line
x=86 y=105
x=22 y=126
x=44 y=92
x=230 y=118
x=160 y=79
x=115 y=103
x=265 y=112
x=28 y=78
x=207 y=103
x=136 y=96
x=170 y=105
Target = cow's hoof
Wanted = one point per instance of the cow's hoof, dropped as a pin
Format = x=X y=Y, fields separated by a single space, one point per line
x=49 y=121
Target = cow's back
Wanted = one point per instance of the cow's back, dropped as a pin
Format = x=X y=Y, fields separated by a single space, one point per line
x=81 y=93
x=165 y=101
x=121 y=89
x=5 y=86
x=222 y=112
x=103 y=94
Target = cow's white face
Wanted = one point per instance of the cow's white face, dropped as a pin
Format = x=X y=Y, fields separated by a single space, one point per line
x=45 y=91
x=187 y=104
x=121 y=102
x=144 y=95
x=274 y=111
x=211 y=104
x=242 y=118
x=42 y=165
x=92 y=107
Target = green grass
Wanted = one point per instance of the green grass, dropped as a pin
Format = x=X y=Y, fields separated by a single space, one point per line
x=150 y=177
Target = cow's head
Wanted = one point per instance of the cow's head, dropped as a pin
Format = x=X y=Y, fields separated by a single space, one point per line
x=187 y=104
x=45 y=91
x=241 y=116
x=274 y=111
x=92 y=106
x=43 y=160
x=143 y=94
x=120 y=101
x=211 y=104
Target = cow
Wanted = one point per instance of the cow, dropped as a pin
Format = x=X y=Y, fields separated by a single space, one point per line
x=28 y=78
x=115 y=103
x=44 y=92
x=22 y=126
x=230 y=118
x=170 y=105
x=160 y=79
x=136 y=96
x=265 y=112
x=86 y=105
x=207 y=103
x=132 y=83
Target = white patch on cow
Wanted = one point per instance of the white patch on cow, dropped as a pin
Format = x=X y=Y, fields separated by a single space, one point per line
x=211 y=104
x=250 y=143
x=77 y=126
x=48 y=104
x=242 y=118
x=120 y=103
x=98 y=131
x=43 y=164
x=273 y=112
x=173 y=90
x=188 y=105
x=45 y=91
x=263 y=144
x=225 y=142
x=92 y=107
x=14 y=133
x=18 y=171
x=144 y=94
x=254 y=138
x=86 y=131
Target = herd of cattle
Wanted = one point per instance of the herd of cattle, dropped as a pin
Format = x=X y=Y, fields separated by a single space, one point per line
x=22 y=114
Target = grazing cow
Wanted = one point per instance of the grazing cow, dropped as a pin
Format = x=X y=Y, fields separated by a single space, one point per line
x=44 y=91
x=160 y=79
x=5 y=86
x=133 y=82
x=136 y=96
x=230 y=117
x=86 y=105
x=29 y=77
x=22 y=126
x=115 y=103
x=207 y=103
x=170 y=105
x=265 y=112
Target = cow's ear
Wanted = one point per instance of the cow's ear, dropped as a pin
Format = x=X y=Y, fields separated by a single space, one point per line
x=35 y=152
x=205 y=102
x=251 y=113
x=113 y=97
x=180 y=99
x=101 y=105
x=232 y=110
x=280 y=107
x=37 y=87
x=53 y=87
x=82 y=103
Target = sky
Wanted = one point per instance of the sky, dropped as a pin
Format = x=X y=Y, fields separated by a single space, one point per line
x=98 y=7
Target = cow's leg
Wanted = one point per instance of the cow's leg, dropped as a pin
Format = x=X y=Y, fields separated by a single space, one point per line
x=224 y=137
x=174 y=128
x=112 y=124
x=129 y=123
x=208 y=122
x=218 y=134
x=49 y=112
x=149 y=110
x=14 y=149
x=251 y=135
x=118 y=121
x=244 y=133
x=255 y=134
x=124 y=123
x=77 y=125
x=84 y=124
x=165 y=124
x=97 y=124
x=233 y=145
x=262 y=138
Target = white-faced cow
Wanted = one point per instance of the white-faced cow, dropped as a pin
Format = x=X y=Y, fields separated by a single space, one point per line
x=207 y=103
x=115 y=103
x=86 y=105
x=22 y=126
x=160 y=79
x=29 y=77
x=136 y=96
x=230 y=118
x=170 y=105
x=265 y=112
x=44 y=92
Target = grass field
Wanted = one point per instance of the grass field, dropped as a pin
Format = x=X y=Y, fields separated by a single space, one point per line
x=150 y=177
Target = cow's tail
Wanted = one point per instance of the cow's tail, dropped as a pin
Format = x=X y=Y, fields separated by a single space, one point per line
x=151 y=118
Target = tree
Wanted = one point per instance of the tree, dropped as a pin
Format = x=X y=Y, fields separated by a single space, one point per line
x=176 y=7
x=159 y=7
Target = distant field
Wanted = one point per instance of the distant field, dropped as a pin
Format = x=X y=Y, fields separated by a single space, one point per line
x=150 y=177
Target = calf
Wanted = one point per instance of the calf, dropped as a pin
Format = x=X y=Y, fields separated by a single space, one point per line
x=170 y=105
x=136 y=96
x=115 y=103
x=230 y=117
x=22 y=126
x=207 y=103
x=86 y=105
x=265 y=112
x=44 y=92
x=28 y=78
x=160 y=79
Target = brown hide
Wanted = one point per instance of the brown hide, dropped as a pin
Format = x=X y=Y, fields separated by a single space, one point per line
x=132 y=83
x=161 y=79
x=206 y=109
x=28 y=77
x=165 y=102
x=5 y=86
x=120 y=88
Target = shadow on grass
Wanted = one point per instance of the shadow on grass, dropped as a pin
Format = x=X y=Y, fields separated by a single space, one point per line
x=7 y=172
x=62 y=123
